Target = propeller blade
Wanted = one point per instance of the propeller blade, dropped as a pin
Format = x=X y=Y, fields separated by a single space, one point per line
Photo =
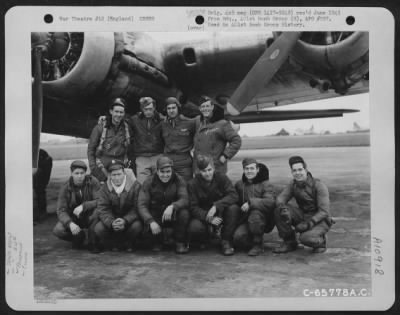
x=262 y=71
x=37 y=104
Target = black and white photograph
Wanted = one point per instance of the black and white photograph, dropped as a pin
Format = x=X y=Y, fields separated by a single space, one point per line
x=171 y=167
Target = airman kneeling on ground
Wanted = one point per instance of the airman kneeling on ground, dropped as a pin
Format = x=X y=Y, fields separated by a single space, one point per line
x=118 y=219
x=311 y=219
x=257 y=203
x=213 y=204
x=164 y=206
x=76 y=204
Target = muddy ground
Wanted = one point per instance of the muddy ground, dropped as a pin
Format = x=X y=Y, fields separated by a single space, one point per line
x=63 y=273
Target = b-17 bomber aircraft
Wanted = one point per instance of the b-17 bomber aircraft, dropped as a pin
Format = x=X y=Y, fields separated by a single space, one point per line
x=75 y=75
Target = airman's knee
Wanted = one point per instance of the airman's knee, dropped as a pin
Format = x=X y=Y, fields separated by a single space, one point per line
x=183 y=215
x=241 y=236
x=136 y=227
x=100 y=229
x=196 y=228
x=256 y=223
x=59 y=230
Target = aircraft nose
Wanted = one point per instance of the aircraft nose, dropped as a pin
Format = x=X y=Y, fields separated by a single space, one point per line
x=55 y=45
x=39 y=39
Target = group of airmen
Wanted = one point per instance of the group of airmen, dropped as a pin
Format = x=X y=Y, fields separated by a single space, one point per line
x=177 y=192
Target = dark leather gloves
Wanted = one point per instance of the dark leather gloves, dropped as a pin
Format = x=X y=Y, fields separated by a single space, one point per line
x=285 y=215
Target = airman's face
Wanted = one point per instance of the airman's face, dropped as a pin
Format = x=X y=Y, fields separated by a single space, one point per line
x=78 y=176
x=172 y=110
x=207 y=173
x=149 y=110
x=251 y=171
x=164 y=174
x=299 y=172
x=117 y=177
x=117 y=114
x=206 y=109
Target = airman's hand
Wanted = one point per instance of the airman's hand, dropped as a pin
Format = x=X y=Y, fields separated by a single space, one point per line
x=216 y=221
x=167 y=215
x=211 y=213
x=155 y=228
x=78 y=210
x=118 y=224
x=102 y=120
x=222 y=159
x=99 y=163
x=75 y=229
x=245 y=207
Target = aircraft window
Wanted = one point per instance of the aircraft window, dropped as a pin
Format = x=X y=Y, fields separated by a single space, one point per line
x=189 y=56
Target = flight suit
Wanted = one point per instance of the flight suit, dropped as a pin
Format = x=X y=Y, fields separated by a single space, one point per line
x=178 y=136
x=312 y=197
x=114 y=147
x=259 y=219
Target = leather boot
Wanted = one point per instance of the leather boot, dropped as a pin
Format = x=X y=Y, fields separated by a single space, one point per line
x=181 y=248
x=285 y=247
x=95 y=247
x=227 y=249
x=130 y=247
x=257 y=248
x=321 y=248
x=78 y=240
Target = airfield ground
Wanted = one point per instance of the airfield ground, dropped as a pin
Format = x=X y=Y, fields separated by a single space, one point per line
x=63 y=273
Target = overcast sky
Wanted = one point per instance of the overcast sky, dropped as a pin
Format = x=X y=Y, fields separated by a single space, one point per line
x=337 y=124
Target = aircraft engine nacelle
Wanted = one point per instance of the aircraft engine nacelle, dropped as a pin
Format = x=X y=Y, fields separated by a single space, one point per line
x=340 y=59
x=74 y=64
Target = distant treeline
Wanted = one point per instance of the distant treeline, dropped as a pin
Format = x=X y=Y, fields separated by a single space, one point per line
x=68 y=151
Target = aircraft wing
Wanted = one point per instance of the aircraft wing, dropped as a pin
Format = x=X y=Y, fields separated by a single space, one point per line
x=278 y=115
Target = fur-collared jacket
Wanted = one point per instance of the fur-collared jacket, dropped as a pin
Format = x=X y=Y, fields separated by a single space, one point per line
x=111 y=206
x=260 y=194
x=155 y=196
x=71 y=196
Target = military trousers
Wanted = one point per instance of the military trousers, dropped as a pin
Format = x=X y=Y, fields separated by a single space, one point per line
x=176 y=228
x=128 y=236
x=199 y=230
x=252 y=228
x=313 y=237
x=64 y=233
x=146 y=166
x=182 y=165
